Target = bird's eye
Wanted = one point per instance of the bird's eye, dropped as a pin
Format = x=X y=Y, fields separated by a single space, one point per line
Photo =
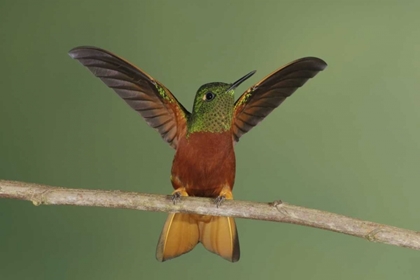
x=209 y=96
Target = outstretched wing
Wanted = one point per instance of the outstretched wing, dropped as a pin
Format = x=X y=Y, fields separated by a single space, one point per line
x=262 y=98
x=155 y=103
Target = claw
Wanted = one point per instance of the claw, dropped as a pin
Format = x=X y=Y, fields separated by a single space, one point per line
x=176 y=197
x=219 y=200
x=225 y=193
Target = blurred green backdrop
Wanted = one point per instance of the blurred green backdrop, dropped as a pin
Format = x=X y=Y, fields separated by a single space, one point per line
x=347 y=142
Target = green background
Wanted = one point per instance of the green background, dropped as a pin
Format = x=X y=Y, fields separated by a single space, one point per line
x=347 y=142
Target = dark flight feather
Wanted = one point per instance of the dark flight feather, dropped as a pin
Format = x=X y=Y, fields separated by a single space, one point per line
x=151 y=99
x=262 y=98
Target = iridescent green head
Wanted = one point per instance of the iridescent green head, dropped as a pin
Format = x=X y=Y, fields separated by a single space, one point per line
x=213 y=107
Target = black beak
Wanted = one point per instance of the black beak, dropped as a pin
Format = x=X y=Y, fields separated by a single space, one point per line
x=241 y=80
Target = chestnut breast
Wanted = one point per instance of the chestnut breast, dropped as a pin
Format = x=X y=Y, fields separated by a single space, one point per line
x=204 y=163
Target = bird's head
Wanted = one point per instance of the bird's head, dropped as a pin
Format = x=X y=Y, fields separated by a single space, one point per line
x=213 y=106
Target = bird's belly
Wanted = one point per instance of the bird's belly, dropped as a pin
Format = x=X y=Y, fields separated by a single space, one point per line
x=204 y=172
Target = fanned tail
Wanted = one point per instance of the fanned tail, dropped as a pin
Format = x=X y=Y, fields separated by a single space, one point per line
x=182 y=232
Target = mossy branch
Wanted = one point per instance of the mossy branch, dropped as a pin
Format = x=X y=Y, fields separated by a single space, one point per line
x=276 y=211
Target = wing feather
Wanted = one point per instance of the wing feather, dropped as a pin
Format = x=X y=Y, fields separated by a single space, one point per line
x=261 y=99
x=151 y=99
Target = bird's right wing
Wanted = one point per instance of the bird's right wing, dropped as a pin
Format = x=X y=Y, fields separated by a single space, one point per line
x=155 y=103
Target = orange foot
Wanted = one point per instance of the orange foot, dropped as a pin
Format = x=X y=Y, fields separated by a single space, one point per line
x=176 y=195
x=226 y=193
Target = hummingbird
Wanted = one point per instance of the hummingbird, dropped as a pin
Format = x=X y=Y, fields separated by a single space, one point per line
x=203 y=139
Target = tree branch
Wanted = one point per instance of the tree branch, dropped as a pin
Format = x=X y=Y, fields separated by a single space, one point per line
x=277 y=211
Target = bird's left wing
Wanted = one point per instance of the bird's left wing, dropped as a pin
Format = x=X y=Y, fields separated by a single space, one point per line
x=262 y=98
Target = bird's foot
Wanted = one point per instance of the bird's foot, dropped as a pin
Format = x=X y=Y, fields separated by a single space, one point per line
x=226 y=193
x=176 y=195
x=219 y=200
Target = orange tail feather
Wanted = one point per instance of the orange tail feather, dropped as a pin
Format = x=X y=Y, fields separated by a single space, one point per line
x=183 y=231
x=179 y=235
x=220 y=236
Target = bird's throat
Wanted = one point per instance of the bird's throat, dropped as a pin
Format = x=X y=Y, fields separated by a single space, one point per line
x=214 y=122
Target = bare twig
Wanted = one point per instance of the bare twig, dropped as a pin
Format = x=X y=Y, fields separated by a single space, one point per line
x=276 y=211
